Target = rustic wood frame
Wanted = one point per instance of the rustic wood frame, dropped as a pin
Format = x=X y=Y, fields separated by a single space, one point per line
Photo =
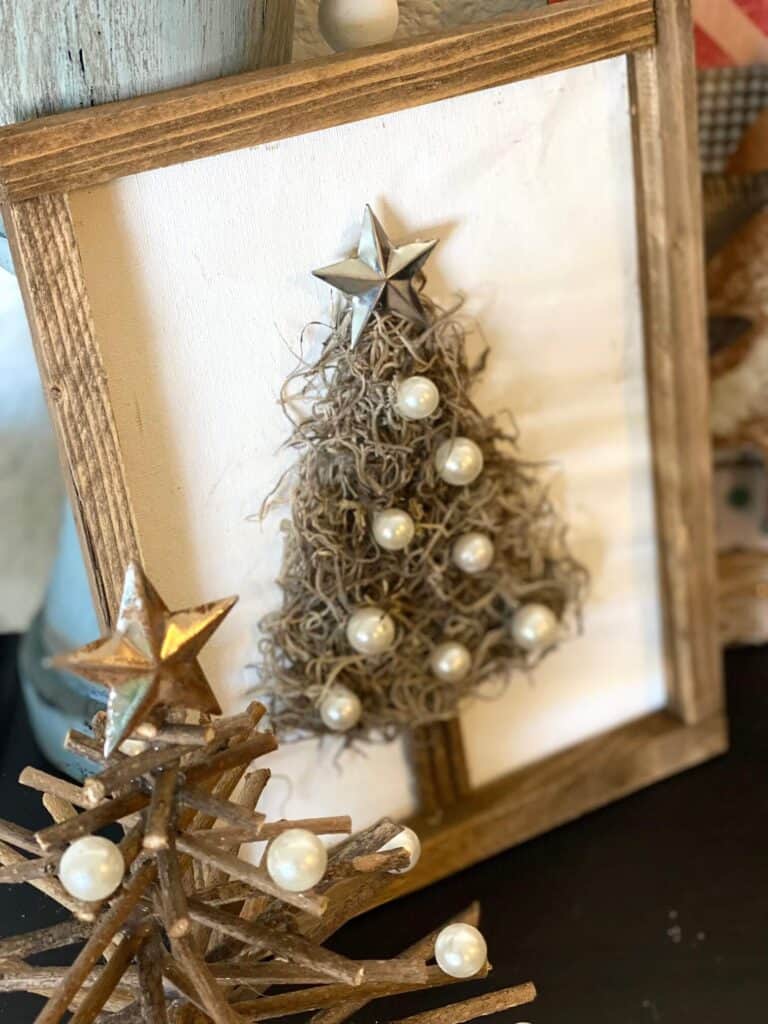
x=41 y=161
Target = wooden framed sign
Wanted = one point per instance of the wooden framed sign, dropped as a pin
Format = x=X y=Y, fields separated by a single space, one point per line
x=165 y=248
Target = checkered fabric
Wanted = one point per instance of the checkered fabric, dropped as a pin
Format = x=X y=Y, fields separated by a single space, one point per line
x=729 y=100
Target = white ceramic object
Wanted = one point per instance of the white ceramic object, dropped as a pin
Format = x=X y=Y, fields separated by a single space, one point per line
x=349 y=24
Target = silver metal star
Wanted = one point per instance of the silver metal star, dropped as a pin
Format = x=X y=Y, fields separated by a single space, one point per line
x=380 y=275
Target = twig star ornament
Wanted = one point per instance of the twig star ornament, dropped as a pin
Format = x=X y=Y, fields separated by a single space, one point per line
x=150 y=658
x=380 y=276
x=179 y=923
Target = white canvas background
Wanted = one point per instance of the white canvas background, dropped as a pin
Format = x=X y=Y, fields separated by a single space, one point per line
x=200 y=281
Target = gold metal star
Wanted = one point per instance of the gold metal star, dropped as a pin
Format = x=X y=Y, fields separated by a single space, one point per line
x=150 y=658
x=380 y=275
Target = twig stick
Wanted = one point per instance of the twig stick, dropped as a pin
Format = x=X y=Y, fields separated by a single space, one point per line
x=243 y=753
x=231 y=837
x=253 y=786
x=26 y=870
x=175 y=912
x=44 y=939
x=17 y=836
x=210 y=854
x=156 y=832
x=224 y=728
x=278 y=973
x=105 y=930
x=390 y=860
x=480 y=1006
x=116 y=777
x=152 y=997
x=58 y=808
x=173 y=971
x=209 y=993
x=92 y=820
x=172 y=735
x=34 y=778
x=87 y=747
x=291 y=947
x=108 y=979
x=318 y=997
x=222 y=893
x=339 y=825
x=222 y=810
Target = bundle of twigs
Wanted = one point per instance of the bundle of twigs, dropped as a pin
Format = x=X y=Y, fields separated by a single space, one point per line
x=197 y=932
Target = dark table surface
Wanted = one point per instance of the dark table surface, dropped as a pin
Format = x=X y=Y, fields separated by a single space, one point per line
x=654 y=909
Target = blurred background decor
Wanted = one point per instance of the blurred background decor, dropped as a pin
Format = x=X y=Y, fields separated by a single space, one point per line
x=732 y=50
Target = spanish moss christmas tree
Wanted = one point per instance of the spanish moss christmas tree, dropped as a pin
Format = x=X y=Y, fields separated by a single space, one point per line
x=424 y=560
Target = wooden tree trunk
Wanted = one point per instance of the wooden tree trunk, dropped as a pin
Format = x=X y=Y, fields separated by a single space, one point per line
x=60 y=54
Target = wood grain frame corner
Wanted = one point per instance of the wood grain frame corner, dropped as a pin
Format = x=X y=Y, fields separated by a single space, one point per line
x=41 y=161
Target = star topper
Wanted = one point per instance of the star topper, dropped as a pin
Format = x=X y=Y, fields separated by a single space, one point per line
x=380 y=275
x=150 y=658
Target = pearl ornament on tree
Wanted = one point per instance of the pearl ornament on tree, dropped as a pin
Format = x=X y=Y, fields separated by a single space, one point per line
x=535 y=627
x=473 y=552
x=393 y=529
x=405 y=840
x=450 y=662
x=461 y=951
x=347 y=24
x=459 y=461
x=417 y=398
x=371 y=631
x=296 y=860
x=340 y=709
x=91 y=868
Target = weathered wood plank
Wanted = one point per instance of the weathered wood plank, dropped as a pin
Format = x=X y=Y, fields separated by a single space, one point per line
x=668 y=186
x=79 y=149
x=558 y=790
x=59 y=56
x=50 y=272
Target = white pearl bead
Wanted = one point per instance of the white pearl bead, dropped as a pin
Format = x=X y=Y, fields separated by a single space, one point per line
x=296 y=860
x=534 y=627
x=461 y=951
x=405 y=840
x=417 y=398
x=346 y=24
x=371 y=631
x=340 y=709
x=91 y=868
x=459 y=462
x=393 y=529
x=473 y=552
x=450 y=662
